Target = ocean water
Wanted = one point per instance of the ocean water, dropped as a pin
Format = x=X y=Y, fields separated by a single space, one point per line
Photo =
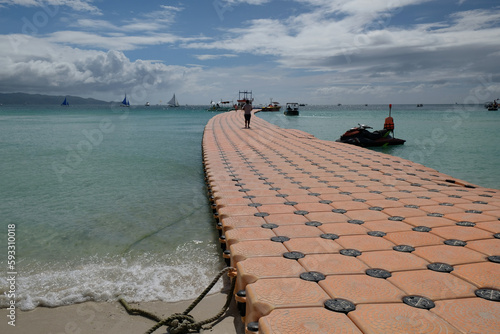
x=460 y=140
x=111 y=202
x=107 y=202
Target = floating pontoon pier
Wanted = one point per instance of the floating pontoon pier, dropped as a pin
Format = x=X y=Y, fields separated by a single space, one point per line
x=328 y=237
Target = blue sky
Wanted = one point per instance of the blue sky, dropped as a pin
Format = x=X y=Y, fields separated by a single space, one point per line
x=311 y=51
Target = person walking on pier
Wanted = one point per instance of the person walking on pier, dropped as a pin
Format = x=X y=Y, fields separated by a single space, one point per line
x=247 y=108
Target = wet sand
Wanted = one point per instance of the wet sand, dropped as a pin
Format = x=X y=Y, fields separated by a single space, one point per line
x=111 y=318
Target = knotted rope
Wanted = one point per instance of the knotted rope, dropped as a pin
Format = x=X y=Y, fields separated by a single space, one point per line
x=184 y=322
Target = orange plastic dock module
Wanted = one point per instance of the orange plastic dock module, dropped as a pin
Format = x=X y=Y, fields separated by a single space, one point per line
x=332 y=238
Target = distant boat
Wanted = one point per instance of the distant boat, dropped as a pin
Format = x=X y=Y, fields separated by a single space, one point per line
x=420 y=105
x=273 y=106
x=173 y=102
x=243 y=97
x=492 y=106
x=65 y=102
x=292 y=109
x=147 y=104
x=125 y=102
x=221 y=106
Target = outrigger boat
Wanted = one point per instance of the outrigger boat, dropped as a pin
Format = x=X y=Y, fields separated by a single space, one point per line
x=273 y=106
x=220 y=106
x=360 y=136
x=492 y=106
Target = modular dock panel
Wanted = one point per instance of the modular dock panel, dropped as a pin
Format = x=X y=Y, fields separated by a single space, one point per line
x=331 y=238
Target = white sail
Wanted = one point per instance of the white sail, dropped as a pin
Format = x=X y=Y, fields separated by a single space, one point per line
x=173 y=102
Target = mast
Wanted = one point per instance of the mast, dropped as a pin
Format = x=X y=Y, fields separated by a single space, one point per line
x=243 y=96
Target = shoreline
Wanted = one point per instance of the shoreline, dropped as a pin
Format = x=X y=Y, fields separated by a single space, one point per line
x=112 y=318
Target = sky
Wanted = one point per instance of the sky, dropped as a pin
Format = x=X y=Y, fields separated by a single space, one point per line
x=307 y=51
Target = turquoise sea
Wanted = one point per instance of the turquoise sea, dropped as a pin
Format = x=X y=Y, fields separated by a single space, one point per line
x=111 y=201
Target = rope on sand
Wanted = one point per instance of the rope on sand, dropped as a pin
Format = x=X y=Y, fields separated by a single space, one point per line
x=184 y=322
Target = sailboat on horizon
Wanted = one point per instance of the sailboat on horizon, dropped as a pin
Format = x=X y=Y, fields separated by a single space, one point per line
x=173 y=102
x=125 y=102
x=65 y=102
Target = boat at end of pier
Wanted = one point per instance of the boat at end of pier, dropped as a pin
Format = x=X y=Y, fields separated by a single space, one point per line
x=243 y=97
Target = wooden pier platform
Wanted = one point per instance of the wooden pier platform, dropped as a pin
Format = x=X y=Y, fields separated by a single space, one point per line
x=332 y=238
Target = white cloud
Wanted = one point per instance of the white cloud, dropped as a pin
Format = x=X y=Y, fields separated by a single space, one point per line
x=355 y=42
x=250 y=2
x=474 y=19
x=115 y=41
x=365 y=45
x=361 y=8
x=94 y=24
x=342 y=48
x=369 y=92
x=78 y=5
x=223 y=6
x=69 y=61
x=145 y=22
x=212 y=57
x=166 y=15
x=36 y=65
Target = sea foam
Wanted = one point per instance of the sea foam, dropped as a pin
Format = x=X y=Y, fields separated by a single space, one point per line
x=181 y=275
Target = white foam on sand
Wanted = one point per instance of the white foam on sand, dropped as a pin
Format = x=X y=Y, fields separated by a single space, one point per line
x=181 y=275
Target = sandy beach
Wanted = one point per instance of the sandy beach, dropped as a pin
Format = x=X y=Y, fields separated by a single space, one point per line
x=111 y=318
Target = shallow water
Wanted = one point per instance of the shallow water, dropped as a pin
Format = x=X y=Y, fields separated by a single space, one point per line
x=106 y=202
